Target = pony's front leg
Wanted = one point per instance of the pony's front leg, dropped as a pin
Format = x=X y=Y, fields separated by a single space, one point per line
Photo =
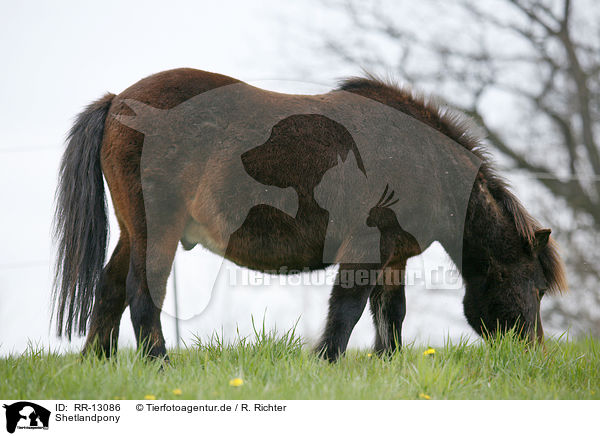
x=388 y=308
x=346 y=305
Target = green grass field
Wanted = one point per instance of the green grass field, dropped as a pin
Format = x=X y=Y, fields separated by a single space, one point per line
x=275 y=366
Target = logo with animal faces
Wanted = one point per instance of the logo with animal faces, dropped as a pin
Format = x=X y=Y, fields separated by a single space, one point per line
x=25 y=415
x=284 y=183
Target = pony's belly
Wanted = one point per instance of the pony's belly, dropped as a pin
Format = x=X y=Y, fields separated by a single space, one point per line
x=267 y=240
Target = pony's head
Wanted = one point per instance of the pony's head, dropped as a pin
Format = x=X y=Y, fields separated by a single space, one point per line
x=507 y=295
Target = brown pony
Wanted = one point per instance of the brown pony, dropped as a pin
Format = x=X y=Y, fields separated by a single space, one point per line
x=506 y=259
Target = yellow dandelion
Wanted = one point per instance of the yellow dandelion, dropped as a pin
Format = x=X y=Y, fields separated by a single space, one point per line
x=149 y=397
x=236 y=382
x=424 y=396
x=177 y=392
x=429 y=352
x=370 y=355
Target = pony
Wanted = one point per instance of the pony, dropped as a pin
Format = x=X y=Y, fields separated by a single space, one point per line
x=192 y=191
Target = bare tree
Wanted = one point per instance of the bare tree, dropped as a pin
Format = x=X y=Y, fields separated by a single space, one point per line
x=534 y=62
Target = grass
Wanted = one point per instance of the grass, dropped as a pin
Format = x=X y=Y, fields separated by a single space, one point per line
x=275 y=366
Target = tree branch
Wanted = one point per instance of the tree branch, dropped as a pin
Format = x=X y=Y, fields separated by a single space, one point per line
x=571 y=190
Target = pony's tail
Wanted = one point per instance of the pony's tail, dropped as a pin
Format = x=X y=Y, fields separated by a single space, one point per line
x=80 y=221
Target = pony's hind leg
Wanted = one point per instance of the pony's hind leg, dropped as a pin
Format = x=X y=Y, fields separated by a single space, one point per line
x=388 y=308
x=149 y=269
x=346 y=305
x=109 y=302
x=145 y=305
x=144 y=308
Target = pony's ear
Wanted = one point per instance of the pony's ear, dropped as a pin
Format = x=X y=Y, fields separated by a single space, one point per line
x=541 y=239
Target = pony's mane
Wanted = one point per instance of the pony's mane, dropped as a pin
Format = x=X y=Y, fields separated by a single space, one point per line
x=463 y=130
